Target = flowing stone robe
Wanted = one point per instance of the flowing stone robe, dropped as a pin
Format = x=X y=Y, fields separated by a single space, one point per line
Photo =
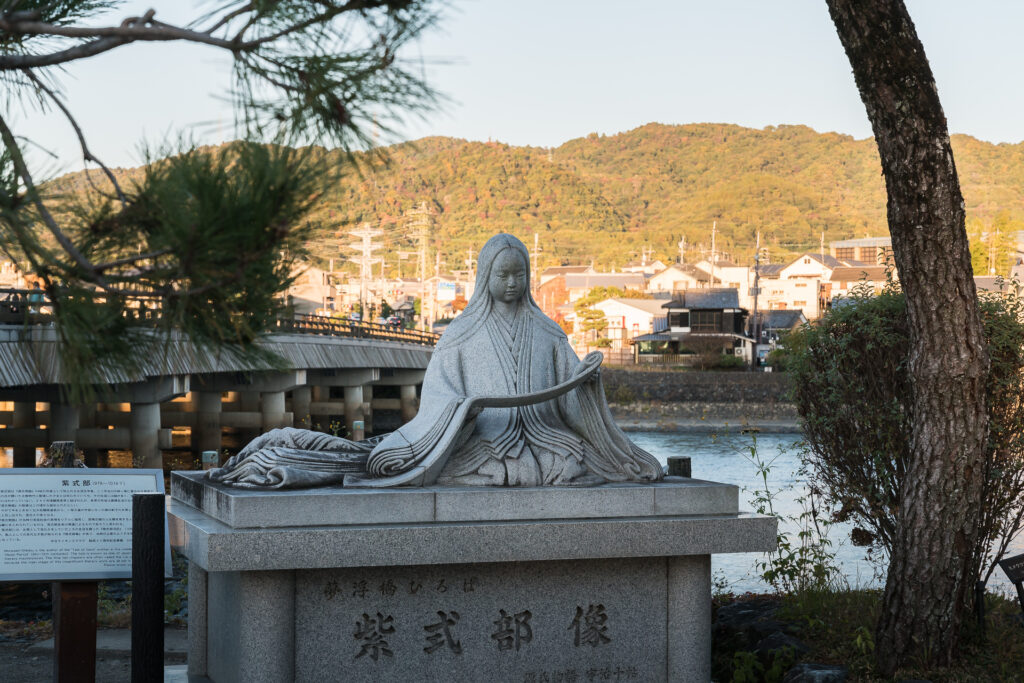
x=570 y=440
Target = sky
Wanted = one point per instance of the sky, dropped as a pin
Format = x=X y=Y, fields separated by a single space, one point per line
x=541 y=72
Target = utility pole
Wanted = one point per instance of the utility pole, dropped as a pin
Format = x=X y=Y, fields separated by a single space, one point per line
x=419 y=225
x=714 y=226
x=366 y=247
x=437 y=274
x=536 y=257
x=471 y=266
x=682 y=250
x=756 y=328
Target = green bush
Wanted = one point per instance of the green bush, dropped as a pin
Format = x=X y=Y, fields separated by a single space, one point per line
x=778 y=359
x=730 y=363
x=851 y=386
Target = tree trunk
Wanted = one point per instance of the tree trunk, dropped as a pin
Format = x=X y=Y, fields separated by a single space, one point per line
x=930 y=569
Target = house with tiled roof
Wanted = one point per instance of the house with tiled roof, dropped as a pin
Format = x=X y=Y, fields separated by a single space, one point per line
x=695 y=319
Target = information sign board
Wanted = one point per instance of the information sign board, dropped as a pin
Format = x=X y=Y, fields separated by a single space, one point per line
x=71 y=523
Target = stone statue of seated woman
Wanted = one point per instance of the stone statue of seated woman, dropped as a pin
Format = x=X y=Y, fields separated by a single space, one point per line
x=505 y=402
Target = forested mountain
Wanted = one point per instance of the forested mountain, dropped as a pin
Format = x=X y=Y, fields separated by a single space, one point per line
x=604 y=198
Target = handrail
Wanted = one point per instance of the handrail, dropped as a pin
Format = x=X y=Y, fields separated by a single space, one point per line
x=26 y=307
x=335 y=327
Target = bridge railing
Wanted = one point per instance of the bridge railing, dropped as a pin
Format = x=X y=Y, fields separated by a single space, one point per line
x=31 y=307
x=336 y=327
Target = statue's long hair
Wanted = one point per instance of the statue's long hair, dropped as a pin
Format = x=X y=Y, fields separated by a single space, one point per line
x=482 y=304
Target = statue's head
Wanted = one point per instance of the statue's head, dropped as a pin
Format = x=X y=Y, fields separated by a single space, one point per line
x=503 y=269
x=509 y=277
x=503 y=275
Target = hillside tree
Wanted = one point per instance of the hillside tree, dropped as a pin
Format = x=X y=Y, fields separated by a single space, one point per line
x=928 y=584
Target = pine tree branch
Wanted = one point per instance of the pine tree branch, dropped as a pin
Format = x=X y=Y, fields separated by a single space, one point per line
x=248 y=7
x=130 y=259
x=145 y=28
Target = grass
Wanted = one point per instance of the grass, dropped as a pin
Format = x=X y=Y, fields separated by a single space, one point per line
x=838 y=627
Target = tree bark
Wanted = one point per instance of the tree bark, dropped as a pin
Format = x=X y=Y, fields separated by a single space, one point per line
x=930 y=570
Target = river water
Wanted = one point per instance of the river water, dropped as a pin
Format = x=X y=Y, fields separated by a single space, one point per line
x=726 y=458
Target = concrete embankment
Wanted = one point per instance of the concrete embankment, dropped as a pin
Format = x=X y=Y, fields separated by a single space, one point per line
x=650 y=400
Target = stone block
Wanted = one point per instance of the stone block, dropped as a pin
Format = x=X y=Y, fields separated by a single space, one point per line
x=250 y=626
x=197 y=580
x=533 y=621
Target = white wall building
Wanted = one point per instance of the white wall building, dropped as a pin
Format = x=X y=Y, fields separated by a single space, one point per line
x=678 y=278
x=628 y=318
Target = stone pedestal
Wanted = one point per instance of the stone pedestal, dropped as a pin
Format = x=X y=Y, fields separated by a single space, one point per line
x=458 y=584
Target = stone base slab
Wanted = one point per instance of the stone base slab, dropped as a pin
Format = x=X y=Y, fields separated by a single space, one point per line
x=247 y=508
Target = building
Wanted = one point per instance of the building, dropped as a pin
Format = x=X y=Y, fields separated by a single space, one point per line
x=579 y=285
x=728 y=274
x=872 y=251
x=629 y=318
x=644 y=266
x=679 y=277
x=313 y=292
x=10 y=276
x=811 y=266
x=698 y=322
x=559 y=271
x=846 y=279
x=779 y=294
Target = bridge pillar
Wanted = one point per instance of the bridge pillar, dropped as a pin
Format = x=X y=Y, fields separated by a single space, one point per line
x=248 y=402
x=144 y=437
x=301 y=398
x=208 y=431
x=271 y=410
x=410 y=406
x=24 y=418
x=87 y=419
x=63 y=422
x=354 y=411
x=368 y=409
x=320 y=394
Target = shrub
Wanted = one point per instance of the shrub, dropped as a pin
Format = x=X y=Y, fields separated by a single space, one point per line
x=730 y=363
x=851 y=386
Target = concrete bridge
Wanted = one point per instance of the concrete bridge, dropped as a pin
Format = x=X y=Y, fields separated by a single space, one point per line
x=331 y=373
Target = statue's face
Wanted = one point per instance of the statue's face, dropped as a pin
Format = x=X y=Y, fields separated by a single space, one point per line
x=508 y=277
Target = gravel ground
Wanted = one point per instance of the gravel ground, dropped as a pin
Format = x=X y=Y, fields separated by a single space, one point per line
x=21 y=663
x=18 y=665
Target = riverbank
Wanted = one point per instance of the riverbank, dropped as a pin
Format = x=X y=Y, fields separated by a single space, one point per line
x=707 y=426
x=706 y=418
x=700 y=402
